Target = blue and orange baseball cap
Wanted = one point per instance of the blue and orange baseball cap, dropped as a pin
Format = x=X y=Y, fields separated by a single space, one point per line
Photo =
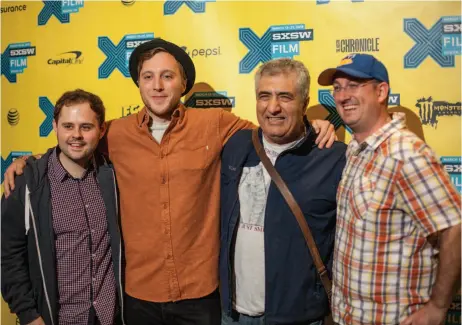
x=363 y=66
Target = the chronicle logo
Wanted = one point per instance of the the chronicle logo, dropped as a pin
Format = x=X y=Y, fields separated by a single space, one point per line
x=67 y=58
x=355 y=45
x=277 y=42
x=204 y=52
x=430 y=110
x=14 y=8
x=14 y=59
x=117 y=56
x=61 y=9
x=212 y=99
x=12 y=116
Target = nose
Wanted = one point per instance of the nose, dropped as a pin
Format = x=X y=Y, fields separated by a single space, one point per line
x=158 y=84
x=76 y=133
x=342 y=96
x=273 y=106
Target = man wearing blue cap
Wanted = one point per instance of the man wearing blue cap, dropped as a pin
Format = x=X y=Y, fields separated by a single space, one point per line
x=397 y=245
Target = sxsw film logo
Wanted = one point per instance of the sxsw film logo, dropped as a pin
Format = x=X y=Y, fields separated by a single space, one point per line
x=14 y=59
x=47 y=108
x=202 y=52
x=281 y=41
x=451 y=39
x=60 y=9
x=355 y=45
x=326 y=99
x=197 y=6
x=430 y=110
x=10 y=158
x=453 y=167
x=440 y=42
x=213 y=99
x=117 y=56
x=67 y=58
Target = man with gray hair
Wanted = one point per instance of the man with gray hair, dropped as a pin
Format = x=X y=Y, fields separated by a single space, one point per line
x=267 y=274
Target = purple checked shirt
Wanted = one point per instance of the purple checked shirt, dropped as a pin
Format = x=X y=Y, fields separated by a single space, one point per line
x=83 y=253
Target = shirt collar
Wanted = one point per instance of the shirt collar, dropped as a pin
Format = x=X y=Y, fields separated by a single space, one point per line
x=60 y=173
x=143 y=115
x=373 y=141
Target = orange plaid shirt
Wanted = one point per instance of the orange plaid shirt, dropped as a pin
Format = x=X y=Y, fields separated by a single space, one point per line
x=394 y=193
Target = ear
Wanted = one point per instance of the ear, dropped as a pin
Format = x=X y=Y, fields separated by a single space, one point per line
x=103 y=129
x=383 y=89
x=55 y=126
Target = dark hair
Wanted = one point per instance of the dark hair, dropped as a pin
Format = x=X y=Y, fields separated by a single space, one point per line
x=80 y=96
x=149 y=54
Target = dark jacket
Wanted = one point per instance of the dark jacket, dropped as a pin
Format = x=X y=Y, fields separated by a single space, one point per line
x=29 y=283
x=293 y=290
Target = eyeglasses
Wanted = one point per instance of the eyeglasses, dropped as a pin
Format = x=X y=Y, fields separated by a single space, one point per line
x=350 y=88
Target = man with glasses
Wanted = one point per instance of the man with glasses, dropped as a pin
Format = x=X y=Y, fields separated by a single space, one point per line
x=397 y=245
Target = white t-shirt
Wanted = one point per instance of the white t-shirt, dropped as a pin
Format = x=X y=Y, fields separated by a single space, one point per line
x=158 y=129
x=249 y=254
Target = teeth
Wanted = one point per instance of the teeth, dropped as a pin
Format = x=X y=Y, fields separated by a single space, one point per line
x=349 y=107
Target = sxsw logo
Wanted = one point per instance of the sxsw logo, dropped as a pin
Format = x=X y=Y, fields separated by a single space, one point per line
x=11 y=157
x=451 y=39
x=47 y=108
x=430 y=110
x=326 y=99
x=172 y=6
x=277 y=42
x=14 y=59
x=117 y=56
x=453 y=166
x=60 y=9
x=218 y=99
x=441 y=42
x=322 y=2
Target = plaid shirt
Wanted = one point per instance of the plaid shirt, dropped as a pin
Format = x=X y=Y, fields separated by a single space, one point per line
x=394 y=193
x=83 y=254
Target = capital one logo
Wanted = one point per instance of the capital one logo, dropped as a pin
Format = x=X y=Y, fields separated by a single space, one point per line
x=197 y=6
x=14 y=59
x=60 y=9
x=118 y=56
x=10 y=158
x=47 y=108
x=429 y=43
x=325 y=99
x=277 y=42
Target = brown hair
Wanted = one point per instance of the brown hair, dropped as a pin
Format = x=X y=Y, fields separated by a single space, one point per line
x=80 y=96
x=149 y=54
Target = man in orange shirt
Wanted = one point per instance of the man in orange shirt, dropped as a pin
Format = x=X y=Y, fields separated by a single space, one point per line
x=169 y=199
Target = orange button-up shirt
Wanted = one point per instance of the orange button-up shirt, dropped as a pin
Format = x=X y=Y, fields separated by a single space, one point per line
x=169 y=201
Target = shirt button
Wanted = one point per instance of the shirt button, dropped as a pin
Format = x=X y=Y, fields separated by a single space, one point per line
x=93 y=255
x=165 y=205
x=94 y=303
x=94 y=279
x=86 y=205
x=163 y=181
x=93 y=231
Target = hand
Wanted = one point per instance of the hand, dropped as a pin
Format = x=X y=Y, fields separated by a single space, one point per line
x=326 y=133
x=16 y=168
x=38 y=321
x=429 y=314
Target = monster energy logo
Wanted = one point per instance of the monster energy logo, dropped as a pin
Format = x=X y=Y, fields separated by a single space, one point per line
x=430 y=110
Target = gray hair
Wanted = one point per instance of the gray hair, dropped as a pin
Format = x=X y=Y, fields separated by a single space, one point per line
x=286 y=66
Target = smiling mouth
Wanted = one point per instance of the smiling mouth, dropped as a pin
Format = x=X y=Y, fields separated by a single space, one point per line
x=76 y=145
x=349 y=107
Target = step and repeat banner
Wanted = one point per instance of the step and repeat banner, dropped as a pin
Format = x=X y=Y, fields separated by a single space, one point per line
x=49 y=47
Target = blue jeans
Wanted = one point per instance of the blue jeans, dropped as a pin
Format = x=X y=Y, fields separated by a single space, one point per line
x=242 y=319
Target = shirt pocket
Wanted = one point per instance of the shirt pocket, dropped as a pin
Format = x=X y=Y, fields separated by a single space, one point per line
x=360 y=197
